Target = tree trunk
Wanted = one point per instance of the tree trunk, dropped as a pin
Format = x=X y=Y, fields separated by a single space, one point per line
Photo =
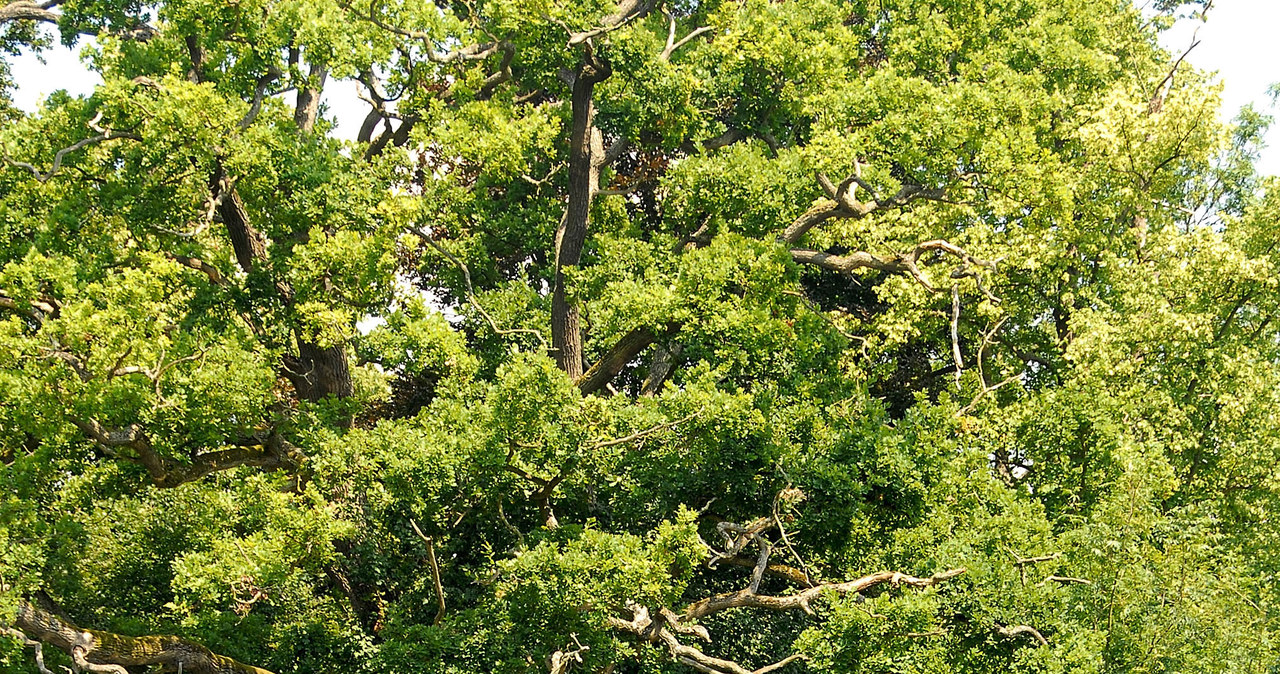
x=586 y=155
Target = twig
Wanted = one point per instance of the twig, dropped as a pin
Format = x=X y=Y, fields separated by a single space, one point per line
x=645 y=433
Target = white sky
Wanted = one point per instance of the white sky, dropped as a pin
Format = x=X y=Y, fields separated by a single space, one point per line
x=1239 y=42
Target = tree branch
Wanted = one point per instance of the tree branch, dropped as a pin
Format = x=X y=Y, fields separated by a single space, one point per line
x=109 y=653
x=24 y=10
x=435 y=571
x=103 y=135
x=803 y=600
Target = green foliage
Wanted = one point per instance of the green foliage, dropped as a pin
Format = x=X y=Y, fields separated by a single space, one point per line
x=1077 y=408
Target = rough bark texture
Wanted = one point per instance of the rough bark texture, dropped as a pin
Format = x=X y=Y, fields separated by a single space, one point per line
x=616 y=360
x=316 y=372
x=586 y=155
x=96 y=651
x=23 y=10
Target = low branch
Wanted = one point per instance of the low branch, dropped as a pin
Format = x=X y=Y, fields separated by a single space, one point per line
x=106 y=652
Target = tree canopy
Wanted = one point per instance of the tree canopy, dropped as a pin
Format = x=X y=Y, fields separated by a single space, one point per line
x=635 y=336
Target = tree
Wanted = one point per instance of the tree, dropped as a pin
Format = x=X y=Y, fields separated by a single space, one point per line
x=638 y=336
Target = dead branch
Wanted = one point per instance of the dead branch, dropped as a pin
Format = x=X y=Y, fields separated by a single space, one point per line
x=639 y=435
x=666 y=628
x=471 y=293
x=804 y=600
x=35 y=646
x=672 y=43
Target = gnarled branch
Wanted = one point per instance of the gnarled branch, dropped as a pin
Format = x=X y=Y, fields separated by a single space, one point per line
x=106 y=652
x=803 y=600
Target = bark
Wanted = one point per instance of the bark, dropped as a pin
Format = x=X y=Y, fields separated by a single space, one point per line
x=308 y=105
x=586 y=156
x=316 y=371
x=27 y=11
x=617 y=359
x=803 y=600
x=97 y=651
x=664 y=363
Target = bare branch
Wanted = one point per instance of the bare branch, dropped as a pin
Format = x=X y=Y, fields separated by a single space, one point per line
x=471 y=293
x=34 y=645
x=103 y=135
x=628 y=11
x=666 y=629
x=955 y=331
x=803 y=600
x=840 y=203
x=672 y=43
x=1026 y=630
x=435 y=571
x=646 y=432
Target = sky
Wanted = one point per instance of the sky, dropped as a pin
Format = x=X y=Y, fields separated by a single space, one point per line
x=1238 y=42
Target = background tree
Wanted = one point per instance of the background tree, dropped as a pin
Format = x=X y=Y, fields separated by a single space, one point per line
x=742 y=336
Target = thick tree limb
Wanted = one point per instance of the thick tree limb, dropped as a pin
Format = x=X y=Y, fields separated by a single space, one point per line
x=907 y=263
x=840 y=203
x=628 y=11
x=586 y=156
x=24 y=10
x=316 y=372
x=268 y=451
x=613 y=362
x=803 y=600
x=111 y=653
